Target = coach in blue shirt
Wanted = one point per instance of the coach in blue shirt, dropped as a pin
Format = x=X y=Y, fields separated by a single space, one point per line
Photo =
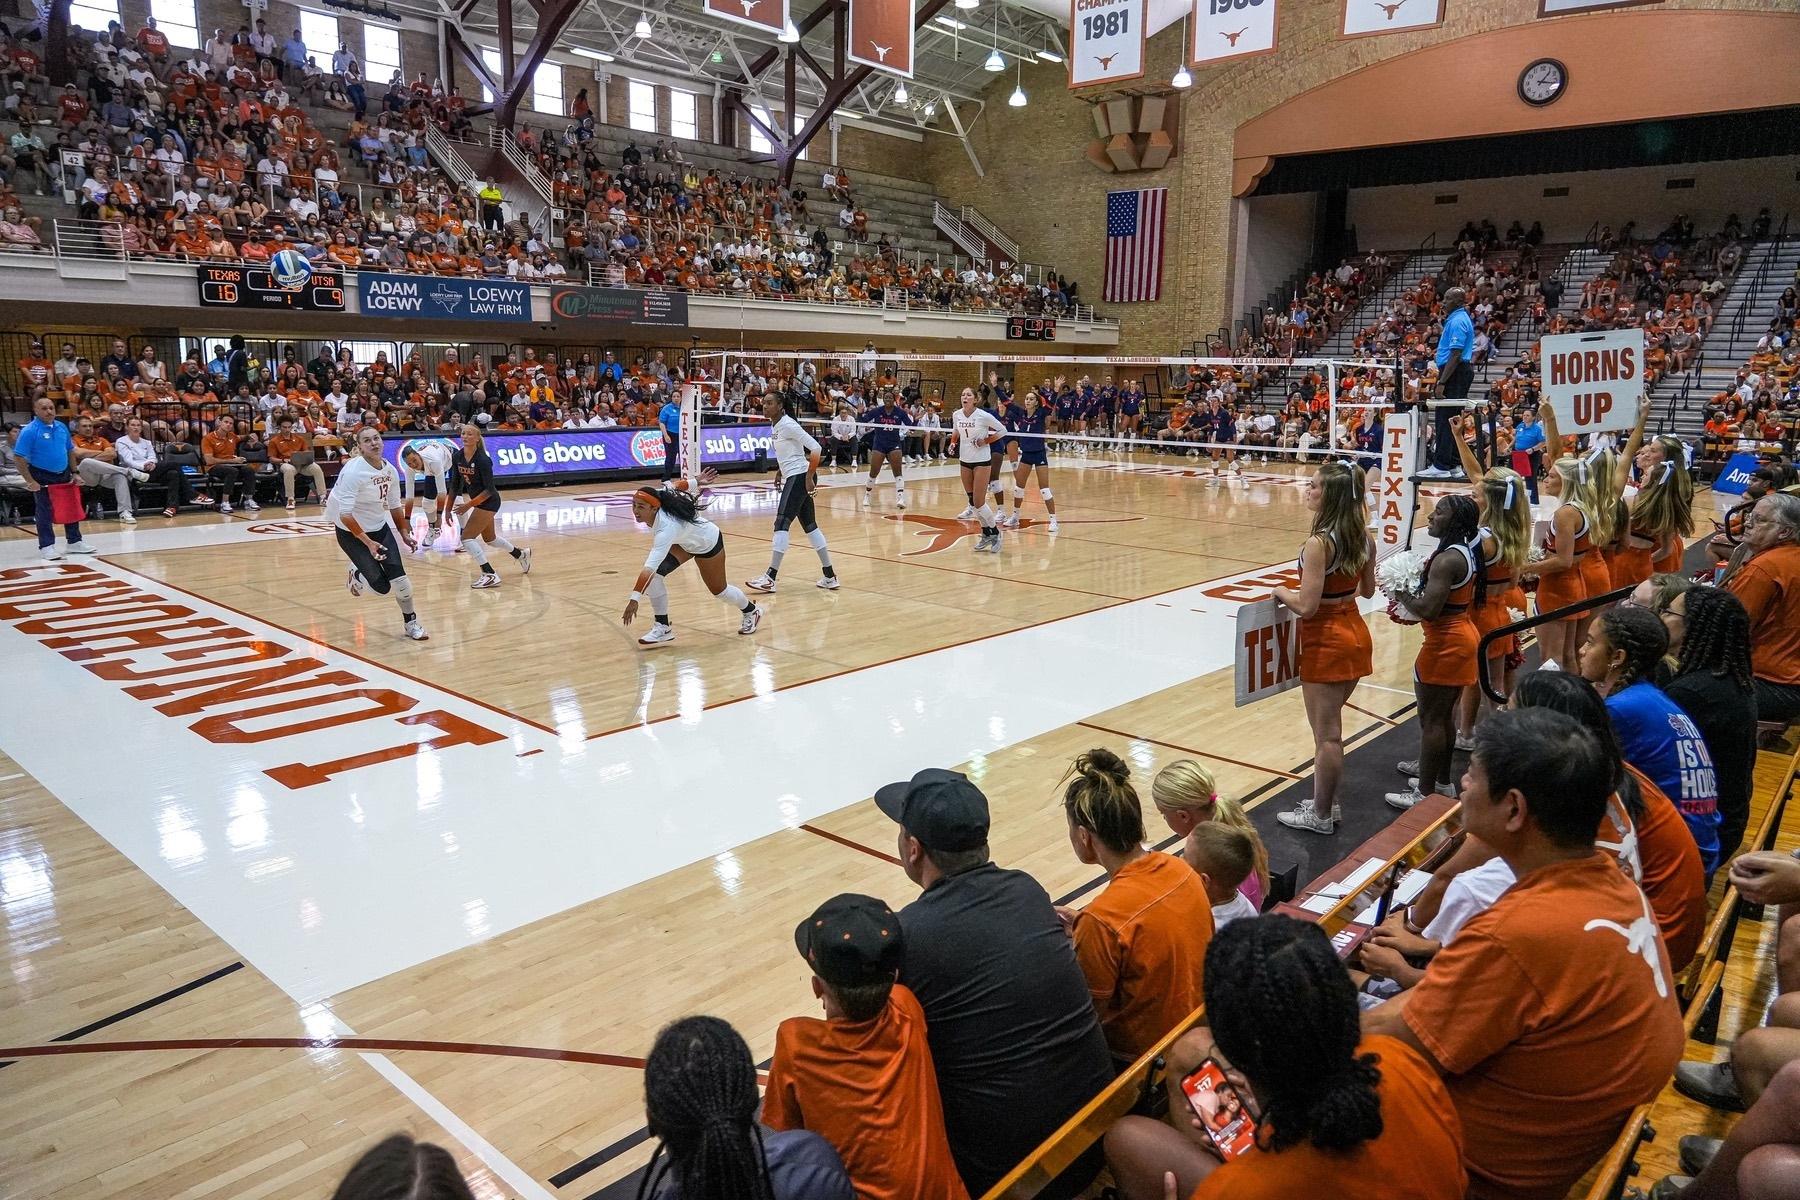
x=669 y=417
x=1528 y=440
x=1455 y=376
x=46 y=451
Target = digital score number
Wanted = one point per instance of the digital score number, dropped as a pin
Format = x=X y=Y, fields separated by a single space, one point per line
x=1031 y=329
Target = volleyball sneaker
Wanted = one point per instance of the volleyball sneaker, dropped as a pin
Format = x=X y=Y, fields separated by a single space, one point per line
x=524 y=560
x=1303 y=816
x=355 y=582
x=828 y=582
x=762 y=583
x=484 y=581
x=1053 y=523
x=967 y=514
x=751 y=620
x=416 y=631
x=658 y=635
x=1404 y=800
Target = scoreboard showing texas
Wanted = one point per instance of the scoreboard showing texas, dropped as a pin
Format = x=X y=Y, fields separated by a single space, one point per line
x=1031 y=329
x=255 y=287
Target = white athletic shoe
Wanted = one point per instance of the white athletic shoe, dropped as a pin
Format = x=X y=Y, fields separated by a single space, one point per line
x=1404 y=800
x=828 y=582
x=1010 y=521
x=1053 y=524
x=1435 y=473
x=484 y=581
x=355 y=582
x=127 y=518
x=967 y=514
x=81 y=548
x=252 y=506
x=139 y=476
x=1407 y=766
x=291 y=506
x=1442 y=789
x=899 y=500
x=525 y=560
x=434 y=531
x=1303 y=816
x=416 y=631
x=50 y=554
x=225 y=508
x=751 y=620
x=1465 y=742
x=762 y=583
x=658 y=635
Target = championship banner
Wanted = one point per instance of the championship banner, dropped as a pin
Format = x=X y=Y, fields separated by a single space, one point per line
x=771 y=16
x=1396 y=495
x=1557 y=8
x=881 y=35
x=1591 y=381
x=1364 y=17
x=1106 y=41
x=1268 y=650
x=1225 y=29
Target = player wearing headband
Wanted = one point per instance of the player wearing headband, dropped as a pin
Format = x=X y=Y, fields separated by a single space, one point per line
x=679 y=533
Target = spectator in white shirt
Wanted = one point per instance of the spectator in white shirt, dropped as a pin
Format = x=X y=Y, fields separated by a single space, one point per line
x=218 y=50
x=1224 y=856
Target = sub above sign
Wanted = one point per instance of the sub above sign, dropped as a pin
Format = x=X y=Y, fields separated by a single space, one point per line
x=620 y=307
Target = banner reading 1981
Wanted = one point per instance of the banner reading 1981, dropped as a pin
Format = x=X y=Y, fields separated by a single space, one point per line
x=1226 y=29
x=1106 y=41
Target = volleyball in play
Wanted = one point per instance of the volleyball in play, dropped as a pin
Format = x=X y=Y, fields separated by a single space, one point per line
x=290 y=269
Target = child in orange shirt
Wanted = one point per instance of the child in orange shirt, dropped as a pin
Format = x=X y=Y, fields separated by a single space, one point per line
x=863 y=1078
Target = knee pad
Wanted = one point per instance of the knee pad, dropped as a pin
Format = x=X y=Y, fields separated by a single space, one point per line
x=817 y=537
x=1045 y=493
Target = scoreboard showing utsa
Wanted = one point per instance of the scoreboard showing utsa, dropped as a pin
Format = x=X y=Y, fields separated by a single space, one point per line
x=1591 y=380
x=255 y=287
x=1031 y=329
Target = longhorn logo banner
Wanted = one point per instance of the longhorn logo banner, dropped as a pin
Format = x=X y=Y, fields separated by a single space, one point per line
x=1225 y=29
x=881 y=35
x=1106 y=41
x=1365 y=17
x=768 y=15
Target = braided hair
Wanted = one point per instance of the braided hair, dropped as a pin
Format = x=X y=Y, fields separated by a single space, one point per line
x=1101 y=800
x=1642 y=636
x=1718 y=636
x=1462 y=528
x=700 y=1100
x=1283 y=1010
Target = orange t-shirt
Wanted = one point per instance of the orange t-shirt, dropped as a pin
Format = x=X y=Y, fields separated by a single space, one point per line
x=1769 y=586
x=284 y=446
x=1142 y=945
x=219 y=445
x=870 y=1089
x=1418 y=1153
x=1674 y=879
x=36 y=370
x=1551 y=1016
x=91 y=441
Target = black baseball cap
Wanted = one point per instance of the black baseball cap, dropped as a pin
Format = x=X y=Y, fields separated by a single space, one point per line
x=850 y=941
x=940 y=808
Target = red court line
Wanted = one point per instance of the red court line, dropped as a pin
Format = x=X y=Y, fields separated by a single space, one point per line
x=586 y=1057
x=1367 y=713
x=312 y=641
x=913 y=562
x=1138 y=737
x=844 y=841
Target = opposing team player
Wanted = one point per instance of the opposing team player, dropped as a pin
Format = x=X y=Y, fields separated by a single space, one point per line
x=976 y=430
x=364 y=507
x=889 y=421
x=1034 y=455
x=797 y=459
x=472 y=475
x=681 y=533
x=432 y=458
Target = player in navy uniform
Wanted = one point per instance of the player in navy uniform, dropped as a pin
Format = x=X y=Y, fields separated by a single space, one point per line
x=890 y=423
x=1131 y=411
x=1106 y=403
x=472 y=478
x=1034 y=454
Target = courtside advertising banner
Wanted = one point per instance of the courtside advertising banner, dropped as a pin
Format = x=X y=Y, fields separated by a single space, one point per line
x=382 y=295
x=1363 y=17
x=1268 y=650
x=591 y=452
x=881 y=35
x=770 y=15
x=1106 y=41
x=1592 y=380
x=1225 y=29
x=1396 y=495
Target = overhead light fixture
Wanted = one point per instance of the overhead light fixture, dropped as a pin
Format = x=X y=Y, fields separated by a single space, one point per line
x=965 y=5
x=950 y=22
x=931 y=108
x=642 y=28
x=995 y=62
x=597 y=55
x=1017 y=99
x=1049 y=56
x=1183 y=77
x=789 y=35
x=901 y=95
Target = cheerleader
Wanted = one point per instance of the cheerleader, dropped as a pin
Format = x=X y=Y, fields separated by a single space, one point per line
x=365 y=512
x=1034 y=454
x=796 y=453
x=679 y=533
x=1573 y=527
x=472 y=478
x=1662 y=513
x=433 y=459
x=889 y=421
x=1506 y=526
x=975 y=430
x=1454 y=584
x=1337 y=565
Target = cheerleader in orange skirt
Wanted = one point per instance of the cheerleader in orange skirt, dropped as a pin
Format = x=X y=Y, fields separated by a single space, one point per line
x=1455 y=583
x=1337 y=566
x=1664 y=505
x=1505 y=507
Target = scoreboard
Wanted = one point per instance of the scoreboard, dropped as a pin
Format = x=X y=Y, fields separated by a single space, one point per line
x=254 y=287
x=1031 y=329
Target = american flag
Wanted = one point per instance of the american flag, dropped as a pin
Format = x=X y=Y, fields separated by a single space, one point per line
x=1134 y=244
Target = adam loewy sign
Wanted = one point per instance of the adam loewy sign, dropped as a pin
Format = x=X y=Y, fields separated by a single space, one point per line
x=450 y=299
x=621 y=306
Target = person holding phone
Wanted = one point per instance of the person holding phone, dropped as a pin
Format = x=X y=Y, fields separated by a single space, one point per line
x=1353 y=1117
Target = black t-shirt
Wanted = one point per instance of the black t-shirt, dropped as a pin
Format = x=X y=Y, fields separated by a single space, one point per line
x=1726 y=715
x=1007 y=1012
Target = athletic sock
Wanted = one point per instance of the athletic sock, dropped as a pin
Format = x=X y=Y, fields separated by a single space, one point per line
x=734 y=596
x=403 y=596
x=658 y=593
x=478 y=556
x=817 y=538
x=662 y=618
x=488 y=569
x=516 y=552
x=776 y=551
x=501 y=544
x=985 y=514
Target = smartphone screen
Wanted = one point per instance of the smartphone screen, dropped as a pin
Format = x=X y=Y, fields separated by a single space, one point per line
x=1225 y=1112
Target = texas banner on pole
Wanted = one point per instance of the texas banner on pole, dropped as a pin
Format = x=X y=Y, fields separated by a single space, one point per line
x=1225 y=29
x=881 y=35
x=769 y=15
x=1106 y=41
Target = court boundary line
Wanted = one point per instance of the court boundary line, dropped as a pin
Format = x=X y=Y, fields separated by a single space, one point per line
x=144 y=1006
x=1139 y=737
x=844 y=841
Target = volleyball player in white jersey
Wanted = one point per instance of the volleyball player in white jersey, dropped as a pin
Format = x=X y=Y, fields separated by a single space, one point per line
x=364 y=506
x=797 y=458
x=433 y=458
x=976 y=431
x=681 y=533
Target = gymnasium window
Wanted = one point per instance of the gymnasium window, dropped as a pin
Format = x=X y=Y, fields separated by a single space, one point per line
x=642 y=97
x=381 y=53
x=93 y=15
x=684 y=114
x=546 y=89
x=319 y=31
x=176 y=20
x=759 y=144
x=492 y=59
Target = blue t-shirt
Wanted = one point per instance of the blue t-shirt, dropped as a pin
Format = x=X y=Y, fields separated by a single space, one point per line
x=1459 y=334
x=45 y=447
x=670 y=417
x=1663 y=742
x=1529 y=437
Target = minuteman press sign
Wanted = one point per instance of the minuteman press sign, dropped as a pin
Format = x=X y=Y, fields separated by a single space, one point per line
x=1592 y=380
